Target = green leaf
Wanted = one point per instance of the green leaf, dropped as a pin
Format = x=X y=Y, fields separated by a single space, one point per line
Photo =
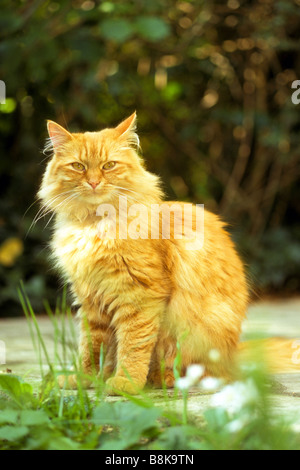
x=63 y=443
x=115 y=444
x=20 y=391
x=9 y=416
x=132 y=420
x=152 y=28
x=33 y=418
x=216 y=418
x=13 y=433
x=176 y=437
x=116 y=29
x=13 y=385
x=10 y=384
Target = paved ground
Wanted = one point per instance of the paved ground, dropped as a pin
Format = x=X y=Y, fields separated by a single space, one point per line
x=265 y=318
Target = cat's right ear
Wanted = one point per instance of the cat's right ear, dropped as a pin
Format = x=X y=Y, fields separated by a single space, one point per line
x=126 y=130
x=58 y=135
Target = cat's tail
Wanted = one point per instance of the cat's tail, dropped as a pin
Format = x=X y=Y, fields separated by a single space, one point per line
x=278 y=354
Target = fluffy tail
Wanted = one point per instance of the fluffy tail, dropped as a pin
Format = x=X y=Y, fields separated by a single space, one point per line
x=278 y=354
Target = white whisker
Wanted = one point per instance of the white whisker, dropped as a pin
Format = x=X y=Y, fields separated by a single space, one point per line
x=47 y=206
x=47 y=209
x=68 y=199
x=125 y=189
x=127 y=195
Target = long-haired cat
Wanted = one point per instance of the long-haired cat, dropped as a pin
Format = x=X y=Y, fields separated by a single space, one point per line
x=141 y=296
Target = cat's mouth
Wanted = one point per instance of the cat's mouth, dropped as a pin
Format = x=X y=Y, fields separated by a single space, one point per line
x=95 y=195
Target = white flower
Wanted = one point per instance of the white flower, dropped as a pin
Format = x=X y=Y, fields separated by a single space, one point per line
x=210 y=384
x=214 y=355
x=235 y=397
x=183 y=383
x=193 y=373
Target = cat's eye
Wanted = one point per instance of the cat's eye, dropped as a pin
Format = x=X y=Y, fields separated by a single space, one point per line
x=108 y=165
x=78 y=166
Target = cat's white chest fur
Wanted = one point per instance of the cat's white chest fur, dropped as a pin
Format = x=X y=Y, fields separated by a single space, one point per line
x=77 y=247
x=89 y=259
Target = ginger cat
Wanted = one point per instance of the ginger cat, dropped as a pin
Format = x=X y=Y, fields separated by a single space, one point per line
x=140 y=295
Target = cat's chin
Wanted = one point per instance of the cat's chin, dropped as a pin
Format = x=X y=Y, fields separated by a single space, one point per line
x=92 y=199
x=96 y=199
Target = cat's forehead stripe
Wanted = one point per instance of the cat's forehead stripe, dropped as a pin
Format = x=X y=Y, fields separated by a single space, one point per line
x=93 y=147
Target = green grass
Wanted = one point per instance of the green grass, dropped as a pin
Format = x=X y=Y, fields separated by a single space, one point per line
x=49 y=418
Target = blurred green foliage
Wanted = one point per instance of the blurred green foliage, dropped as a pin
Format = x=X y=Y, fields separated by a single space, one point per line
x=211 y=83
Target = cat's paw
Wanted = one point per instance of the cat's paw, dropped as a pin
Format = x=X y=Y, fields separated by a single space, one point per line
x=156 y=380
x=71 y=382
x=115 y=385
x=169 y=379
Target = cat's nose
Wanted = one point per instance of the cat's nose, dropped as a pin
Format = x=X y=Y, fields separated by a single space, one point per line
x=94 y=184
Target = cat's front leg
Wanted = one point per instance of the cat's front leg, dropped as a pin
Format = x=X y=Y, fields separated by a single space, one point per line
x=136 y=334
x=109 y=365
x=94 y=332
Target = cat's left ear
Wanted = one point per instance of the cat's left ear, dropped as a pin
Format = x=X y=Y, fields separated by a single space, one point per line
x=58 y=135
x=127 y=128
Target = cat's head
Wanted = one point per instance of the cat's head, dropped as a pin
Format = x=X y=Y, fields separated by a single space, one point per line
x=91 y=168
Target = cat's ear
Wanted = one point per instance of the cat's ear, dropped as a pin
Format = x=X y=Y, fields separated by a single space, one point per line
x=58 y=136
x=127 y=128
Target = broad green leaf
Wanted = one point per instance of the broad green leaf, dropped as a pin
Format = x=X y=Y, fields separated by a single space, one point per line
x=10 y=384
x=116 y=29
x=14 y=385
x=13 y=433
x=176 y=437
x=116 y=444
x=131 y=419
x=33 y=417
x=63 y=443
x=216 y=418
x=152 y=28
x=20 y=392
x=9 y=416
